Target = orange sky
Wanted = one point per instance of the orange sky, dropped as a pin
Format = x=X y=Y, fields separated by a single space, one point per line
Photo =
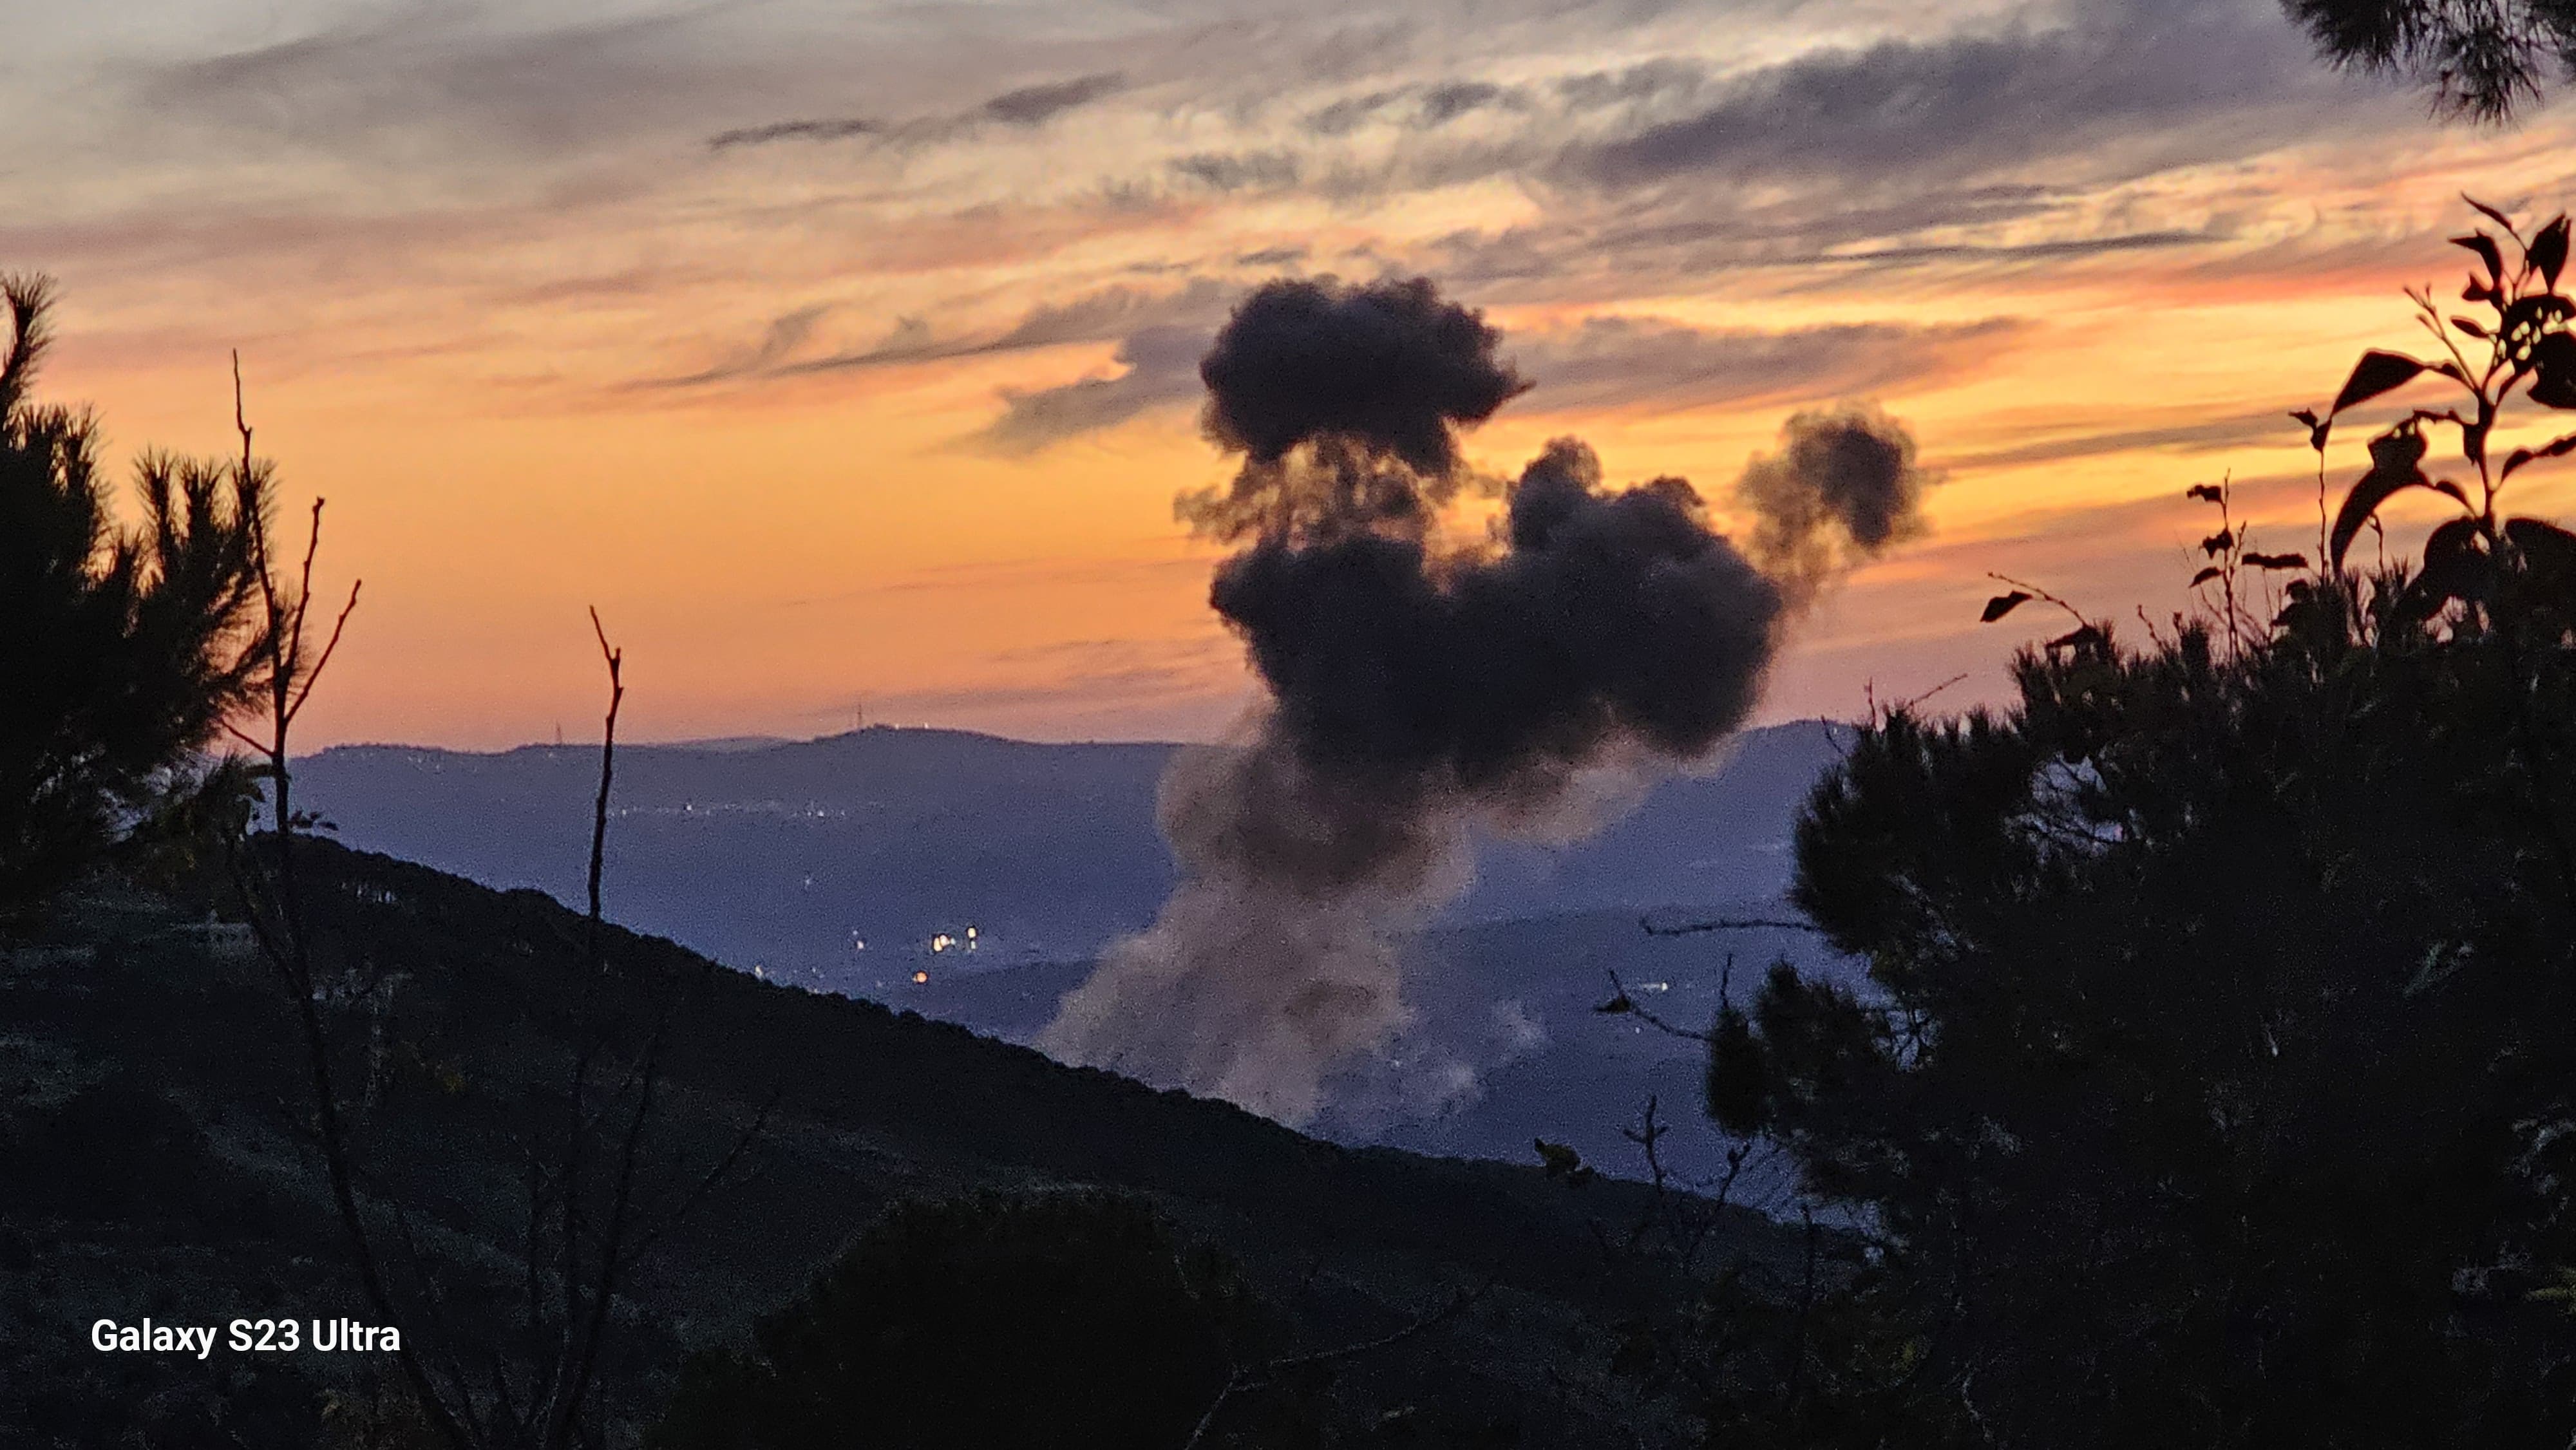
x=839 y=353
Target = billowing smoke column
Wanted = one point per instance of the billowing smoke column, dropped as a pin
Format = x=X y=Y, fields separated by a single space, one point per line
x=1417 y=692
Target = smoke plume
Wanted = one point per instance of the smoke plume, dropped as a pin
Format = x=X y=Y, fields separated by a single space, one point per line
x=1842 y=488
x=1421 y=691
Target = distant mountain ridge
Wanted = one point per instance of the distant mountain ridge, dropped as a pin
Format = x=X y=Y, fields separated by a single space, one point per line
x=787 y=856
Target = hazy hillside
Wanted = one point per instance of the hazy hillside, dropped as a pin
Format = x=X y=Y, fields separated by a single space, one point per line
x=149 y=1096
x=788 y=855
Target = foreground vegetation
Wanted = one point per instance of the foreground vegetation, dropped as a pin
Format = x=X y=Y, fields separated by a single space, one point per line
x=2216 y=1080
x=153 y=1109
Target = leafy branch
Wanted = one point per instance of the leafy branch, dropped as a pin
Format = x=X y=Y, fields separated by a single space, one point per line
x=2086 y=633
x=2521 y=346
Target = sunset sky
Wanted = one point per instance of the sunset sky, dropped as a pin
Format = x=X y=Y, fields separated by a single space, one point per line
x=845 y=353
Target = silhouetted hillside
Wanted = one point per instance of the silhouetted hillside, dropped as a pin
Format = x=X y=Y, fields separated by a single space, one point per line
x=151 y=1108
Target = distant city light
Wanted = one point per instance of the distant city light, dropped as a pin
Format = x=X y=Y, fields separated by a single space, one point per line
x=918 y=978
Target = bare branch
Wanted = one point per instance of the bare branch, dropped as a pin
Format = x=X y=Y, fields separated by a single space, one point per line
x=616 y=659
x=1728 y=923
x=716 y=1173
x=1910 y=703
x=1256 y=1377
x=313 y=676
x=278 y=926
x=1621 y=1003
x=2035 y=592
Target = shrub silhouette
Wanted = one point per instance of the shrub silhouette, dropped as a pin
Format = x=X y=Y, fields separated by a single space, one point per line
x=1044 y=1322
x=2524 y=350
x=2215 y=1079
x=125 y=649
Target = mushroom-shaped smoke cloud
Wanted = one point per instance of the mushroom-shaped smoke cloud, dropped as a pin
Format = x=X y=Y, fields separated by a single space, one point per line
x=1417 y=692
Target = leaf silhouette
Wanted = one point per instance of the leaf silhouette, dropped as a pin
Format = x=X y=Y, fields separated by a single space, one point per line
x=2077 y=638
x=2277 y=561
x=2376 y=373
x=2523 y=324
x=2471 y=326
x=2528 y=533
x=2554 y=448
x=2396 y=462
x=2003 y=604
x=2455 y=567
x=2493 y=215
x=2219 y=543
x=2553 y=358
x=2548 y=251
x=2208 y=492
x=2485 y=247
x=2205 y=575
x=2546 y=548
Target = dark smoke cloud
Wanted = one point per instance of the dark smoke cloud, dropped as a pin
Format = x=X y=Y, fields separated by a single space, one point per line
x=1843 y=486
x=1524 y=685
x=1610 y=614
x=1344 y=402
x=1389 y=367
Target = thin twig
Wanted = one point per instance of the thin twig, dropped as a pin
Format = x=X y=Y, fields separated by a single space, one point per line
x=1256 y=1377
x=2035 y=592
x=616 y=659
x=1622 y=1004
x=329 y=647
x=715 y=1174
x=1909 y=704
x=1727 y=923
x=564 y=1383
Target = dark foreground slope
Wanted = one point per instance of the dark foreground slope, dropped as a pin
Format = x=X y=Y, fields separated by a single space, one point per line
x=153 y=1119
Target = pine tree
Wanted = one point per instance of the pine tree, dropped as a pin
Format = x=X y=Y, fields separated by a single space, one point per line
x=124 y=648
